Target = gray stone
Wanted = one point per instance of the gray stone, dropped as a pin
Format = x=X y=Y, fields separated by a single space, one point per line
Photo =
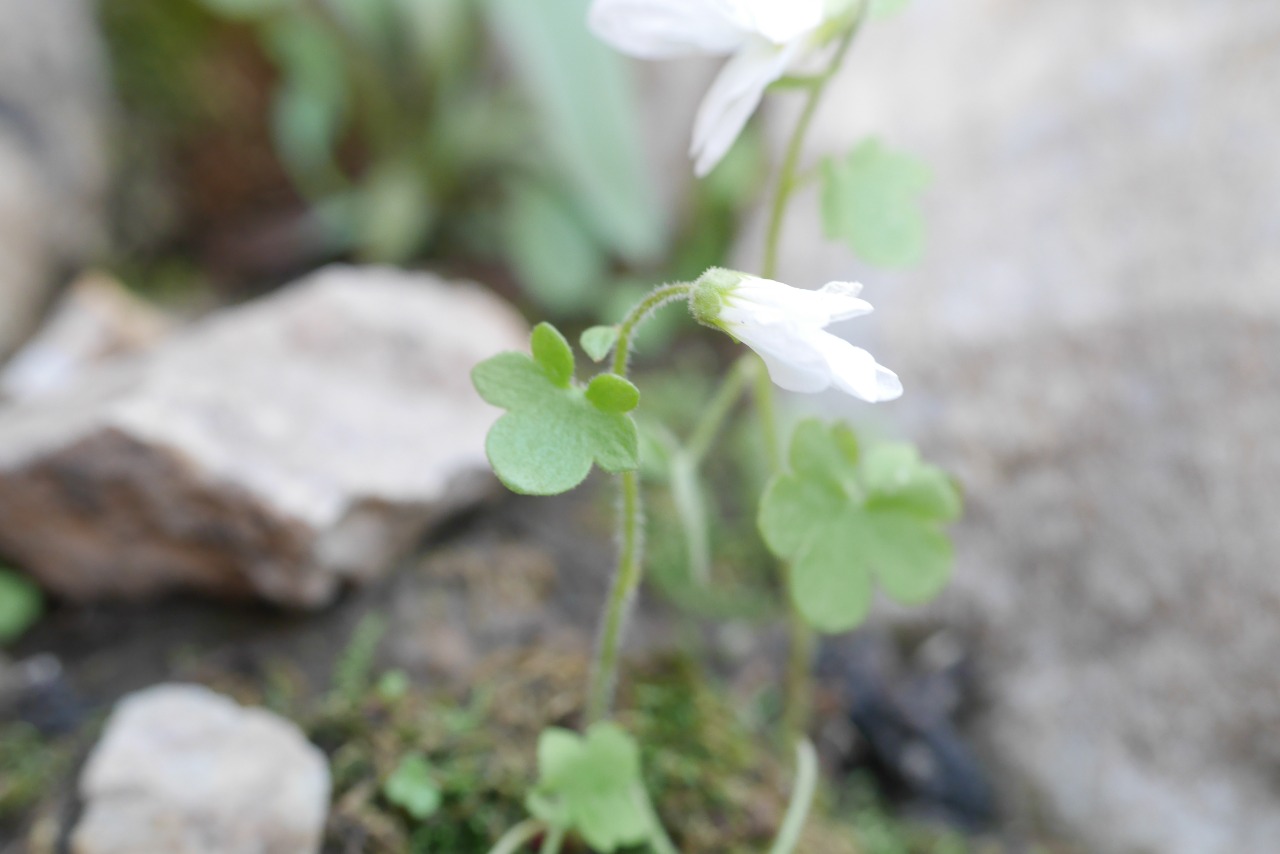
x=279 y=449
x=183 y=770
x=54 y=109
x=1093 y=345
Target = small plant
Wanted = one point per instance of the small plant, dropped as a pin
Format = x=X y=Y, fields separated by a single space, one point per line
x=840 y=518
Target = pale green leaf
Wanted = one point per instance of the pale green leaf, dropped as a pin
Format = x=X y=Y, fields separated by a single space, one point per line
x=597 y=342
x=310 y=105
x=897 y=479
x=831 y=577
x=553 y=354
x=912 y=561
x=886 y=8
x=556 y=257
x=592 y=785
x=552 y=432
x=396 y=210
x=413 y=788
x=870 y=200
x=790 y=507
x=612 y=393
x=589 y=117
x=845 y=520
x=510 y=380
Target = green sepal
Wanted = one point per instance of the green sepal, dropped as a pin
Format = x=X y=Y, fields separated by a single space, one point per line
x=846 y=519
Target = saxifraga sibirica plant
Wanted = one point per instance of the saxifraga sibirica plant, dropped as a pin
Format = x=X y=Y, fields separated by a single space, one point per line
x=838 y=517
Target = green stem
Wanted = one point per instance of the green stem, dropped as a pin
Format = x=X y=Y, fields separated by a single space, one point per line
x=516 y=838
x=626 y=580
x=795 y=147
x=717 y=411
x=553 y=841
x=799 y=687
x=768 y=412
x=797 y=703
x=639 y=313
x=801 y=799
x=658 y=840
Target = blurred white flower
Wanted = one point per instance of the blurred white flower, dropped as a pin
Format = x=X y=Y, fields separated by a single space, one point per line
x=765 y=38
x=787 y=327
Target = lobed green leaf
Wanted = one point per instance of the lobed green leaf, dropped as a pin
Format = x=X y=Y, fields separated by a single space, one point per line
x=592 y=785
x=870 y=200
x=554 y=430
x=845 y=519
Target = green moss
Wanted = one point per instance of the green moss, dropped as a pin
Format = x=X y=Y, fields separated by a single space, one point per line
x=30 y=768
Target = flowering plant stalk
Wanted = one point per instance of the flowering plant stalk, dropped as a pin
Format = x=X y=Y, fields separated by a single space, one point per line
x=838 y=517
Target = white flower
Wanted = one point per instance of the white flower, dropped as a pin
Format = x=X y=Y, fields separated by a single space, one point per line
x=765 y=37
x=787 y=327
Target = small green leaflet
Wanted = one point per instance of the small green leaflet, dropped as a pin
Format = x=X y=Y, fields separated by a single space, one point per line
x=844 y=519
x=885 y=8
x=592 y=785
x=554 y=429
x=597 y=342
x=20 y=605
x=870 y=200
x=413 y=788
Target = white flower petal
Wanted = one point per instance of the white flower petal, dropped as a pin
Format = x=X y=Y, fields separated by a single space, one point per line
x=806 y=379
x=856 y=371
x=781 y=21
x=734 y=96
x=666 y=29
x=834 y=302
x=794 y=363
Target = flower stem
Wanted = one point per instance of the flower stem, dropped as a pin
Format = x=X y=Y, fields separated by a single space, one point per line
x=801 y=799
x=717 y=411
x=797 y=703
x=605 y=673
x=553 y=841
x=638 y=314
x=786 y=185
x=516 y=838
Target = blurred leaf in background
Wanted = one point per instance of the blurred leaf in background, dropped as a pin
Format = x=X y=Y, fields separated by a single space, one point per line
x=413 y=788
x=870 y=200
x=20 y=606
x=588 y=118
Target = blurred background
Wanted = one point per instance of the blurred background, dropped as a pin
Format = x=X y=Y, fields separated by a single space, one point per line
x=250 y=249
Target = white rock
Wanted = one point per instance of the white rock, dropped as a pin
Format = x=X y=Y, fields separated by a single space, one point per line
x=96 y=320
x=183 y=770
x=278 y=449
